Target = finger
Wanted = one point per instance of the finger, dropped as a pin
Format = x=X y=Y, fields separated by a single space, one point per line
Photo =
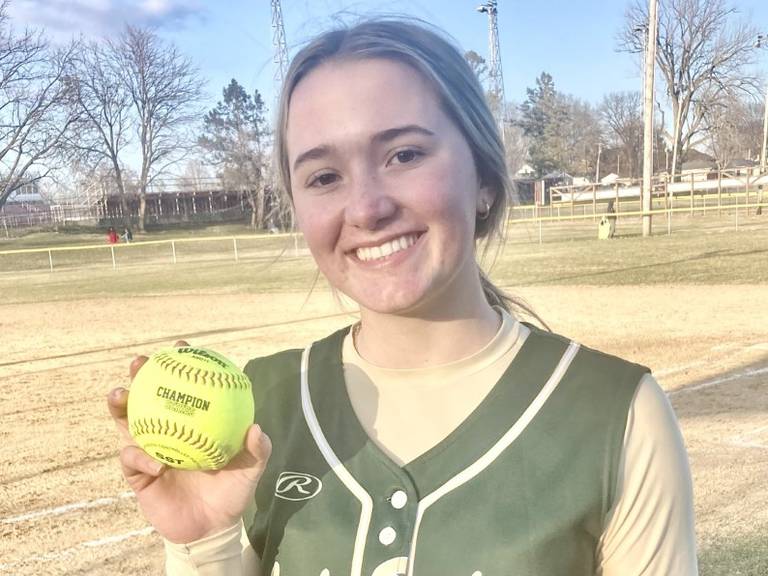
x=136 y=365
x=117 y=402
x=255 y=453
x=139 y=468
x=180 y=343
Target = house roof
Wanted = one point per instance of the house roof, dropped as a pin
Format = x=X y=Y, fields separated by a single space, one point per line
x=699 y=164
x=741 y=163
x=558 y=176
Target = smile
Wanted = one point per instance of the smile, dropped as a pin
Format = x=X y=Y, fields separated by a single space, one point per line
x=387 y=248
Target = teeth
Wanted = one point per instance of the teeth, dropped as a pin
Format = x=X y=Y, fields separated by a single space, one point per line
x=386 y=249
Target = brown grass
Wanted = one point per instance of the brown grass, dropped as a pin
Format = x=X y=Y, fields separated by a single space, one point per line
x=57 y=445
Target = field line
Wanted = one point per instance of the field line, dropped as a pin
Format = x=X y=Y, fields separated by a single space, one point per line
x=166 y=339
x=745 y=374
x=84 y=505
x=51 y=556
x=745 y=439
x=720 y=348
x=118 y=538
x=676 y=369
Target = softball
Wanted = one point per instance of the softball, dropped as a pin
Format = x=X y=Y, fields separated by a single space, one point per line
x=190 y=408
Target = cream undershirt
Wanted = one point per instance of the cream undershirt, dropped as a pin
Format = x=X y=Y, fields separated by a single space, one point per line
x=650 y=529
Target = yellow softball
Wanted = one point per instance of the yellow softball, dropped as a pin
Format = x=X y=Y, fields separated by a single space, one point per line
x=190 y=408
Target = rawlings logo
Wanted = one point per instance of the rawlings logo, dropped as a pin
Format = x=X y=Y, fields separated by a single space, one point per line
x=296 y=486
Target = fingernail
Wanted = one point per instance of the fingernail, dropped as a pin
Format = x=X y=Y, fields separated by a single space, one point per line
x=157 y=468
x=117 y=392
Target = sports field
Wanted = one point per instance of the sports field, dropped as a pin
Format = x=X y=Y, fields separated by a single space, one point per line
x=693 y=306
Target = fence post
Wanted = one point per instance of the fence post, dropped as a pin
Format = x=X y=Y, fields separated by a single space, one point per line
x=691 y=193
x=173 y=250
x=671 y=204
x=234 y=245
x=539 y=228
x=719 y=192
x=50 y=260
x=746 y=197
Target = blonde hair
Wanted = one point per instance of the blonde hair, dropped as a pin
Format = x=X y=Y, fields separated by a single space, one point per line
x=462 y=98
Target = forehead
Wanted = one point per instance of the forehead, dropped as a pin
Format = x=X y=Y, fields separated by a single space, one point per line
x=358 y=97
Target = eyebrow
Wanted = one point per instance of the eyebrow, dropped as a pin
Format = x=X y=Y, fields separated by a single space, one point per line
x=379 y=138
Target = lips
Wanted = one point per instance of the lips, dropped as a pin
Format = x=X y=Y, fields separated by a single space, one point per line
x=380 y=251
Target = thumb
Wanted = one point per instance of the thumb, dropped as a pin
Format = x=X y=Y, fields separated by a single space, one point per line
x=255 y=453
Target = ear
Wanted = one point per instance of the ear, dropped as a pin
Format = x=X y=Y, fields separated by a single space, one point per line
x=485 y=198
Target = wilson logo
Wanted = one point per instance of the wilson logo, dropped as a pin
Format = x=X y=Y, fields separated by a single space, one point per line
x=296 y=486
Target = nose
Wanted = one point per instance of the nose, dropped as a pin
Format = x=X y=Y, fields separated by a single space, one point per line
x=369 y=206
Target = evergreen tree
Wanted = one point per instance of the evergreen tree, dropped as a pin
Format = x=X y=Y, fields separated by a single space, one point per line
x=544 y=119
x=235 y=135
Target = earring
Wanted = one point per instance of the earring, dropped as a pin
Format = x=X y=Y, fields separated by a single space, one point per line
x=486 y=211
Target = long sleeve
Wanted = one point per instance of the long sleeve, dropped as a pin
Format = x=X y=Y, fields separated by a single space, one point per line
x=650 y=530
x=227 y=553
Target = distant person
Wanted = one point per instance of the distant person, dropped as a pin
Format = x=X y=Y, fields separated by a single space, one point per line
x=111 y=235
x=439 y=434
x=127 y=236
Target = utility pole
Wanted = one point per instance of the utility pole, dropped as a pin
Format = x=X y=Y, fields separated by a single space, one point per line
x=762 y=42
x=597 y=168
x=650 y=62
x=495 y=75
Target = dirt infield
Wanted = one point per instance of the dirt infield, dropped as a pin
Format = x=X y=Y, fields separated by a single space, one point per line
x=65 y=509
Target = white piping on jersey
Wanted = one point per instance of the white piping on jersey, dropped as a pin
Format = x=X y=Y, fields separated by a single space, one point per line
x=489 y=457
x=338 y=468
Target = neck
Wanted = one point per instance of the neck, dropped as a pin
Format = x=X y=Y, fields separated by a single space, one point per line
x=432 y=337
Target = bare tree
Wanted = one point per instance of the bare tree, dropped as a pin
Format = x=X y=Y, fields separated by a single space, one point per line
x=478 y=65
x=622 y=113
x=165 y=90
x=734 y=131
x=515 y=142
x=105 y=105
x=36 y=105
x=583 y=136
x=702 y=54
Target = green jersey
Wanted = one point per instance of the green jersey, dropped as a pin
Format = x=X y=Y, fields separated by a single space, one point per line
x=522 y=486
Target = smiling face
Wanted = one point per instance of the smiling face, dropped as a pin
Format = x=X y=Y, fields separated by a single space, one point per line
x=384 y=186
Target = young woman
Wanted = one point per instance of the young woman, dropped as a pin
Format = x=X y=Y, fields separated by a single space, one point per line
x=439 y=435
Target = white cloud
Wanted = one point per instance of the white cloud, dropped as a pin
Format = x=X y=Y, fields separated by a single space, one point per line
x=156 y=7
x=94 y=18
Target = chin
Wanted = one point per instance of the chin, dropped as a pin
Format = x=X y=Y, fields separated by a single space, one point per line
x=401 y=303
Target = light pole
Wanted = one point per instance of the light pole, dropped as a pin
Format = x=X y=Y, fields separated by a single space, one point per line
x=762 y=42
x=495 y=75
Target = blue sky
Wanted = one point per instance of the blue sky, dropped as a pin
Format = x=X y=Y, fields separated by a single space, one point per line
x=573 y=40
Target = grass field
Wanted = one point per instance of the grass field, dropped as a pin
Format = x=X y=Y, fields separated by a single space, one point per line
x=693 y=306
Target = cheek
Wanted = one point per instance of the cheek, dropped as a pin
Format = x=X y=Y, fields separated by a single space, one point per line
x=317 y=224
x=450 y=198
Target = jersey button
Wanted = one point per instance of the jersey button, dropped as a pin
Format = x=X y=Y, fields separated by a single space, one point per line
x=399 y=499
x=387 y=536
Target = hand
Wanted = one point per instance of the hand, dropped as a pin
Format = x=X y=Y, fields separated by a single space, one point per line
x=186 y=505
